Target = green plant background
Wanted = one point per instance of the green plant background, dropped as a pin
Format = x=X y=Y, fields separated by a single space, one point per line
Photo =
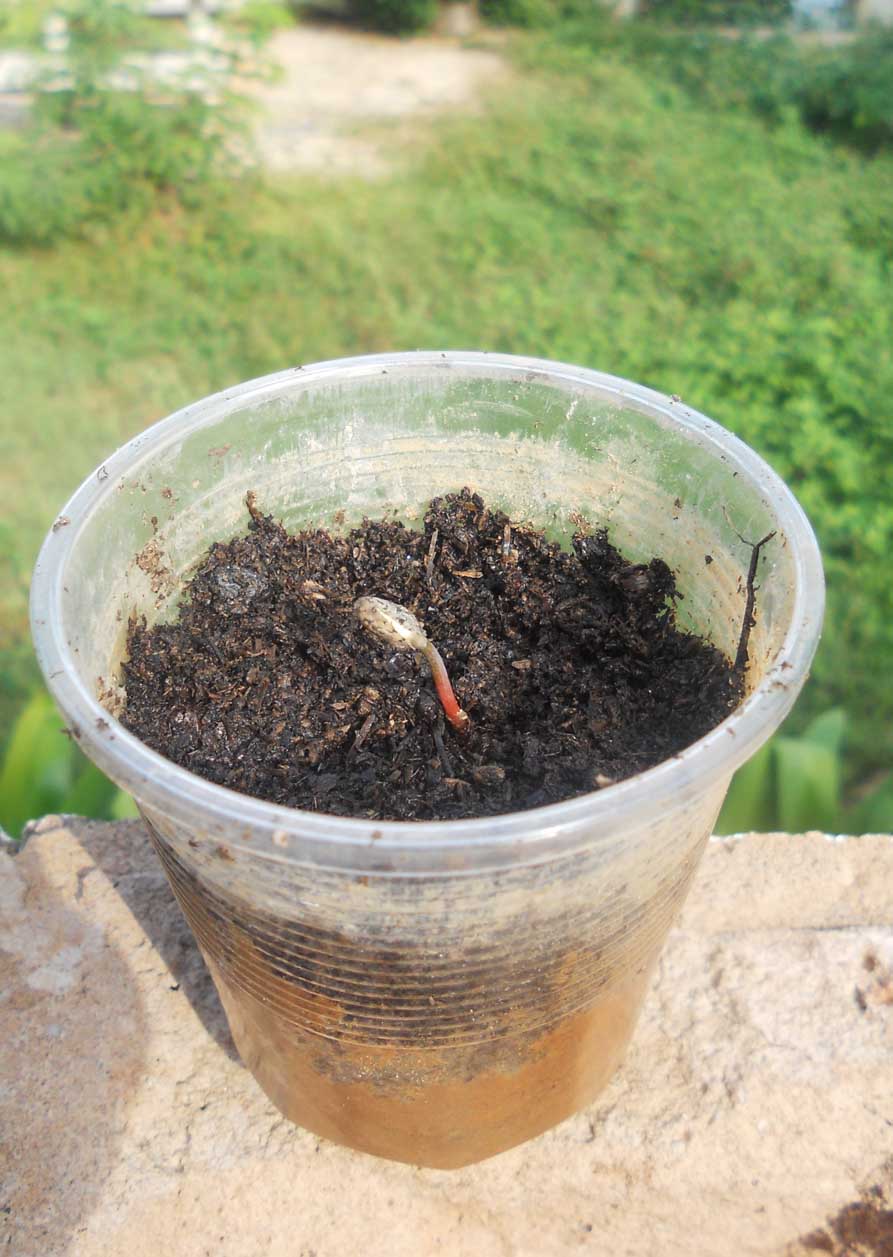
x=712 y=217
x=395 y=16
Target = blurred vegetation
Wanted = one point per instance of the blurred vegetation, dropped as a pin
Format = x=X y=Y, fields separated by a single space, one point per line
x=524 y=13
x=684 y=13
x=719 y=12
x=843 y=91
x=656 y=204
x=396 y=17
x=793 y=784
x=257 y=20
x=107 y=138
x=21 y=25
x=43 y=771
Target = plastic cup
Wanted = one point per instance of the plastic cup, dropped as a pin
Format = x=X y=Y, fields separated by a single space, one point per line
x=430 y=992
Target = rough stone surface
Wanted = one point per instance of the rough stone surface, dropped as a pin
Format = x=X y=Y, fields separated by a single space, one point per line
x=753 y=1117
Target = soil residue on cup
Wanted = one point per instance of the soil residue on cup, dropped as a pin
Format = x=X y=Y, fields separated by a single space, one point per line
x=570 y=665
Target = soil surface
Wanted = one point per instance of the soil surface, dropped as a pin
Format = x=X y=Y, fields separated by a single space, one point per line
x=569 y=664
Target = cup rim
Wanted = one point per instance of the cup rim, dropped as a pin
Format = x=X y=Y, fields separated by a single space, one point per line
x=293 y=834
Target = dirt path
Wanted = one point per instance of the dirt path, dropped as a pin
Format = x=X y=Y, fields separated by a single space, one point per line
x=347 y=100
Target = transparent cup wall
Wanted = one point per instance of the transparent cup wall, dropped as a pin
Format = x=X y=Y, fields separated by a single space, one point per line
x=431 y=992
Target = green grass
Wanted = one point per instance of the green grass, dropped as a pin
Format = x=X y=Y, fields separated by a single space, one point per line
x=601 y=215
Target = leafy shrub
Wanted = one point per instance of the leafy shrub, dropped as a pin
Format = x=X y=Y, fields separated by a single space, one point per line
x=99 y=146
x=532 y=14
x=844 y=91
x=848 y=91
x=791 y=784
x=257 y=20
x=795 y=784
x=43 y=771
x=720 y=12
x=524 y=13
x=396 y=17
x=761 y=75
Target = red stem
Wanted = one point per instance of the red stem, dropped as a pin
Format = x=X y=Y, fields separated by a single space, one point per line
x=451 y=709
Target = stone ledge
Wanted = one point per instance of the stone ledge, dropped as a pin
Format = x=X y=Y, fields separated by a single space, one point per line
x=753 y=1116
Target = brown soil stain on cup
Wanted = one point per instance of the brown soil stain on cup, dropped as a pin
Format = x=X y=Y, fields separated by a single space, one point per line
x=444 y=1106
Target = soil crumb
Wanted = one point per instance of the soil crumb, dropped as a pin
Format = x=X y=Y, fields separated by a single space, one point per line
x=863 y=1228
x=569 y=664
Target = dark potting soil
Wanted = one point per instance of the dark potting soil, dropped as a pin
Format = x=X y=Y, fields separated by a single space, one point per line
x=570 y=665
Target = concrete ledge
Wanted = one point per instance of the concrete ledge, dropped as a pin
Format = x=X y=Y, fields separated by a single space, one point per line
x=753 y=1117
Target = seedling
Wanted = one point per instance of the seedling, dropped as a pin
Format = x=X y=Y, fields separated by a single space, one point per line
x=397 y=627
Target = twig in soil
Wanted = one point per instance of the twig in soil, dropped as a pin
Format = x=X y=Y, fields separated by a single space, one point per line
x=429 y=563
x=363 y=733
x=749 y=618
x=396 y=626
x=445 y=761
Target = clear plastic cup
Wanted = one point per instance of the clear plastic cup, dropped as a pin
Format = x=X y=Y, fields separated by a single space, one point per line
x=431 y=992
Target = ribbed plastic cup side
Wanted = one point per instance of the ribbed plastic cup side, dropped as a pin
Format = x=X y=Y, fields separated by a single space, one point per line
x=475 y=1010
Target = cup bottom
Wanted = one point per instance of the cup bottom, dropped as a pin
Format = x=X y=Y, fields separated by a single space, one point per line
x=442 y=1107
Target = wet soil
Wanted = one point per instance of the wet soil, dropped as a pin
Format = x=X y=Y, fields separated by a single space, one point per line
x=570 y=665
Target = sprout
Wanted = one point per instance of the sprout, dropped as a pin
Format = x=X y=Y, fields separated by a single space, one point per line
x=397 y=627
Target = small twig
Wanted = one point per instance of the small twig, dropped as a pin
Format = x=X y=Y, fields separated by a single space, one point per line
x=507 y=541
x=441 y=749
x=429 y=562
x=749 y=618
x=363 y=733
